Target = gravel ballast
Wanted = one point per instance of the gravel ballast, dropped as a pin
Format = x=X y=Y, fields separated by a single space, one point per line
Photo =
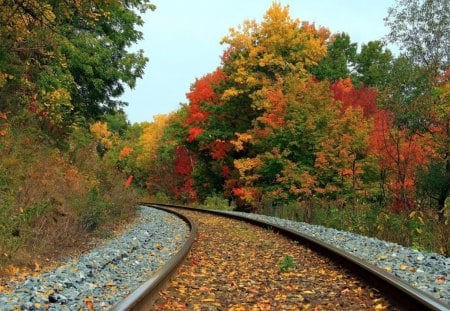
x=107 y=274
x=429 y=272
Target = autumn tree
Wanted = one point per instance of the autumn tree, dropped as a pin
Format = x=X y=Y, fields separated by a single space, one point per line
x=342 y=159
x=166 y=160
x=400 y=155
x=262 y=62
x=61 y=63
x=209 y=126
x=414 y=93
x=363 y=97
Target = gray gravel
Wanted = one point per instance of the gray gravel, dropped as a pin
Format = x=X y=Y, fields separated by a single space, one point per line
x=107 y=274
x=429 y=272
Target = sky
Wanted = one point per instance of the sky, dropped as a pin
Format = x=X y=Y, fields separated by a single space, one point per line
x=182 y=40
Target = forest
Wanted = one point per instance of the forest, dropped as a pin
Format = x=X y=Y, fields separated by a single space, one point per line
x=296 y=122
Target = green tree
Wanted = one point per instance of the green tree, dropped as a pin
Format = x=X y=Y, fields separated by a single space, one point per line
x=63 y=62
x=421 y=29
x=117 y=122
x=372 y=64
x=341 y=53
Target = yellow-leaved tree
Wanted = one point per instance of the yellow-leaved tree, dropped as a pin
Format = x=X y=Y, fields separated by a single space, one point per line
x=265 y=64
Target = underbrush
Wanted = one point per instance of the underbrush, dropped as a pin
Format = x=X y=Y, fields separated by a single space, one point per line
x=53 y=202
x=218 y=202
x=422 y=230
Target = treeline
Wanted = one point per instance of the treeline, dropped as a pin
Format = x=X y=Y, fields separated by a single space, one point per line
x=63 y=65
x=295 y=114
x=294 y=119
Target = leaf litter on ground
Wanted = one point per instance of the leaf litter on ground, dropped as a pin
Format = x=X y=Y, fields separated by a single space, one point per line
x=236 y=266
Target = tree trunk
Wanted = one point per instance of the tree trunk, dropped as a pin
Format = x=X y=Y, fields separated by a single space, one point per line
x=445 y=188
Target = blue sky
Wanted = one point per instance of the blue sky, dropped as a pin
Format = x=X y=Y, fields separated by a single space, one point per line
x=182 y=39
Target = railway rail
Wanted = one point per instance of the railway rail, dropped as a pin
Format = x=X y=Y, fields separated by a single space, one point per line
x=402 y=294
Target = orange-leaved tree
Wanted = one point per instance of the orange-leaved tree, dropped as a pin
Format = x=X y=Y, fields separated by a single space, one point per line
x=400 y=154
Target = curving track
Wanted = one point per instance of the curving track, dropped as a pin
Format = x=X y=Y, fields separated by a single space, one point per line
x=402 y=295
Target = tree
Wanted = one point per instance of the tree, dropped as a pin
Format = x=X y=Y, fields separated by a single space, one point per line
x=342 y=157
x=421 y=28
x=62 y=62
x=279 y=46
x=363 y=97
x=166 y=157
x=400 y=154
x=341 y=53
x=372 y=64
x=117 y=122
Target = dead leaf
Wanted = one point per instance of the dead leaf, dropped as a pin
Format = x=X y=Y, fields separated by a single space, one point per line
x=89 y=304
x=440 y=279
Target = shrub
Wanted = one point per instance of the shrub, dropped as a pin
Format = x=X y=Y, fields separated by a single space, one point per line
x=47 y=196
x=218 y=202
x=422 y=230
x=286 y=264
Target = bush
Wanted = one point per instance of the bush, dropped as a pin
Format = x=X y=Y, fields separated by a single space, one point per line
x=218 y=202
x=422 y=230
x=52 y=201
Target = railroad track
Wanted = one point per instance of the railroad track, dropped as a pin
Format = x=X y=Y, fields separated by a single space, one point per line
x=399 y=294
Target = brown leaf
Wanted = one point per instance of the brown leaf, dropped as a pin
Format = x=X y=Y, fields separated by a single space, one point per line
x=89 y=304
x=440 y=279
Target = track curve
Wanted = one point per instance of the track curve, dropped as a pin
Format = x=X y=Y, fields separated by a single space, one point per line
x=142 y=298
x=405 y=296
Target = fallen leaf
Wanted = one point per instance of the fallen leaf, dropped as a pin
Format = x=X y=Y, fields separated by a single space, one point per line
x=440 y=279
x=89 y=304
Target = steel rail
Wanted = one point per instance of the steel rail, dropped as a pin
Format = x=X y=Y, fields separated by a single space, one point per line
x=404 y=295
x=143 y=297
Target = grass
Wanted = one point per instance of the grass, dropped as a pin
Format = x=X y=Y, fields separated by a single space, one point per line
x=421 y=230
x=286 y=264
x=218 y=202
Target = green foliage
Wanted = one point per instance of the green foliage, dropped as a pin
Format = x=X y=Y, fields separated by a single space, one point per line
x=286 y=264
x=424 y=42
x=341 y=54
x=434 y=180
x=161 y=197
x=62 y=64
x=117 y=123
x=372 y=64
x=92 y=210
x=420 y=230
x=446 y=210
x=218 y=202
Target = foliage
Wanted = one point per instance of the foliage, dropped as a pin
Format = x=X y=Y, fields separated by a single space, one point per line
x=372 y=64
x=419 y=230
x=217 y=202
x=420 y=27
x=286 y=264
x=341 y=54
x=295 y=118
x=50 y=201
x=64 y=63
x=420 y=76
